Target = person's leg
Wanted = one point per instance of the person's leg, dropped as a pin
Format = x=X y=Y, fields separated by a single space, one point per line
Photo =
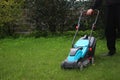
x=118 y=27
x=110 y=30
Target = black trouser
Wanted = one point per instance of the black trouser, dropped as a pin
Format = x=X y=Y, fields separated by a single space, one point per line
x=112 y=25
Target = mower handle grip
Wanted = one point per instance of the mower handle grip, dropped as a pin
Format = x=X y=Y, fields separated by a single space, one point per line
x=95 y=12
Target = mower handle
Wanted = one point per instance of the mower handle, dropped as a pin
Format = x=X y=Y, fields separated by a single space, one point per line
x=82 y=13
x=96 y=12
x=96 y=18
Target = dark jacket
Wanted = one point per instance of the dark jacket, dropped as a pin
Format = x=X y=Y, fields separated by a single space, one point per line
x=97 y=3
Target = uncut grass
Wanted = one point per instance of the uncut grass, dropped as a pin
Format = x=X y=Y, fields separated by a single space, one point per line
x=40 y=59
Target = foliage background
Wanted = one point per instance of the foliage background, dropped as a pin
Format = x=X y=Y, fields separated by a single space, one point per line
x=42 y=18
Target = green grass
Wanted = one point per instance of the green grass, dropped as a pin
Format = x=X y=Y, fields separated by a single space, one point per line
x=40 y=59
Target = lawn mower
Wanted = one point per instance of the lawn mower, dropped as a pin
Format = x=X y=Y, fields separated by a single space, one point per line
x=82 y=52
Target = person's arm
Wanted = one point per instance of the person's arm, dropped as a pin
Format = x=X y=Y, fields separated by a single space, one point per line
x=96 y=5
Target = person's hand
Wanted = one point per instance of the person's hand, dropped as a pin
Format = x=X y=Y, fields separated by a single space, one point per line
x=89 y=12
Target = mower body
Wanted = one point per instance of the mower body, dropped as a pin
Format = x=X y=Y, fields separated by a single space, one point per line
x=82 y=51
x=81 y=54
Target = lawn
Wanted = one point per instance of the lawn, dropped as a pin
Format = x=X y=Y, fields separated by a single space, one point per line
x=40 y=59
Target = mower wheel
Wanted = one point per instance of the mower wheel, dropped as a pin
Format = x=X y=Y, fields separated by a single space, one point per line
x=92 y=60
x=62 y=65
x=80 y=66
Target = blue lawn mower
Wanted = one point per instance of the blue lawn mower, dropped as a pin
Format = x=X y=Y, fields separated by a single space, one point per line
x=82 y=52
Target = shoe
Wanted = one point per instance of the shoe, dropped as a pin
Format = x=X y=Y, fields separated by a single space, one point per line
x=110 y=53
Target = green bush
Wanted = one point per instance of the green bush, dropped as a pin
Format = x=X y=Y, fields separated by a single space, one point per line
x=10 y=12
x=97 y=33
